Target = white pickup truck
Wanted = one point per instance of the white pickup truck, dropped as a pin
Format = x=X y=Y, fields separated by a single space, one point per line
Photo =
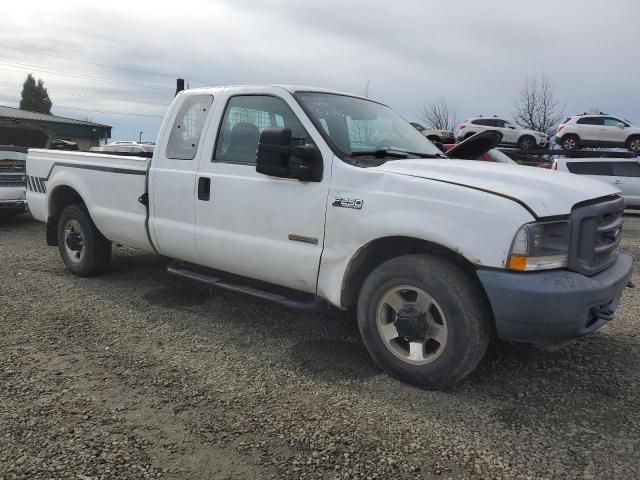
x=310 y=198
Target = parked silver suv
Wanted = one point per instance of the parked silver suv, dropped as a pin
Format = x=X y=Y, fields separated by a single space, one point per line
x=512 y=134
x=622 y=173
x=598 y=131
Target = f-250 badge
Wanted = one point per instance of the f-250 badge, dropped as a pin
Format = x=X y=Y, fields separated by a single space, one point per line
x=345 y=202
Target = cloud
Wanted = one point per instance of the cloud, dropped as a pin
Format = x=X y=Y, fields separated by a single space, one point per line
x=474 y=53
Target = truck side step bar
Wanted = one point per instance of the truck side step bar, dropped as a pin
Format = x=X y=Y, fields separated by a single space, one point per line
x=306 y=302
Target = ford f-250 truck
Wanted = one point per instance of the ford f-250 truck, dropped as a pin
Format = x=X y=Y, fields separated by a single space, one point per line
x=310 y=198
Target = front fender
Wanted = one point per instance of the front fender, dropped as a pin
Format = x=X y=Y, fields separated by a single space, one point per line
x=477 y=225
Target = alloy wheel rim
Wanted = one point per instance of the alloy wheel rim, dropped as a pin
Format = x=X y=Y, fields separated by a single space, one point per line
x=412 y=325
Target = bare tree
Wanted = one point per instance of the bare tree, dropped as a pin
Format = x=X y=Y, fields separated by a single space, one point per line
x=439 y=114
x=536 y=106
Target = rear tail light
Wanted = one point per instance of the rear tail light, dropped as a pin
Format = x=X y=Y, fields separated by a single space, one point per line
x=560 y=127
x=462 y=125
x=554 y=165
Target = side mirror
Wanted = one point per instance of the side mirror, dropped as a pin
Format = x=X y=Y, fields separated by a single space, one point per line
x=620 y=125
x=276 y=157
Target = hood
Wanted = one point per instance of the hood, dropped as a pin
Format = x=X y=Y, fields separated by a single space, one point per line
x=534 y=132
x=543 y=192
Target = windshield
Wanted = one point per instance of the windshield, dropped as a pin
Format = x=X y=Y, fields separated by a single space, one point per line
x=357 y=127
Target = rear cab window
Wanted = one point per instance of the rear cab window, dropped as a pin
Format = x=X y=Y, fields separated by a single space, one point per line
x=187 y=127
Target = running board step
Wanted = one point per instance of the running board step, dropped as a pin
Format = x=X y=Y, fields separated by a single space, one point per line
x=309 y=304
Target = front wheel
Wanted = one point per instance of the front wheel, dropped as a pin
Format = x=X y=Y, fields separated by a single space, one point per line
x=633 y=144
x=423 y=320
x=84 y=250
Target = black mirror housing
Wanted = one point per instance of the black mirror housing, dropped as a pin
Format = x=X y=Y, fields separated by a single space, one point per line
x=276 y=157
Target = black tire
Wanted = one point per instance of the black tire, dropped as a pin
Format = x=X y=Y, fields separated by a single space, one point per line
x=570 y=142
x=470 y=134
x=526 y=142
x=462 y=304
x=433 y=138
x=88 y=254
x=633 y=144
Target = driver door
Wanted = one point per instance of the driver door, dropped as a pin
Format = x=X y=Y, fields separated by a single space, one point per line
x=254 y=225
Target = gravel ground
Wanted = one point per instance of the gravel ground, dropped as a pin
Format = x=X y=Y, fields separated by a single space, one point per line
x=136 y=374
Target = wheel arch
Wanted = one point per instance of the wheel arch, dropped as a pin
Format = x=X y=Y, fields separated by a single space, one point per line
x=630 y=138
x=61 y=197
x=524 y=135
x=370 y=256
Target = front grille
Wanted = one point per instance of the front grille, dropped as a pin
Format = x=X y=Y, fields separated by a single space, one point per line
x=596 y=231
x=12 y=166
x=12 y=180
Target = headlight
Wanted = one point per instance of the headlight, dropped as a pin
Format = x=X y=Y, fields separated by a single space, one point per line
x=540 y=246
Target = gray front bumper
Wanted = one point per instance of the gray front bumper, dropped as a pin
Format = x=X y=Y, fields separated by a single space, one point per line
x=551 y=307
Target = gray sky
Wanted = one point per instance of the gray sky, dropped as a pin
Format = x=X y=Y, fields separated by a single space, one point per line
x=474 y=53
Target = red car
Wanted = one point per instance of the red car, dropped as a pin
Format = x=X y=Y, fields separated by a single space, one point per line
x=492 y=155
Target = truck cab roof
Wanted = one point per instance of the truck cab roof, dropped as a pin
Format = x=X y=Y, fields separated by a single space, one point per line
x=287 y=87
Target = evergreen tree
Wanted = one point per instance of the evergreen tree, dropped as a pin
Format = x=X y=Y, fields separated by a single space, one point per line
x=35 y=97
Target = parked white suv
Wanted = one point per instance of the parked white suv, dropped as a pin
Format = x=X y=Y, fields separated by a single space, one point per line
x=512 y=134
x=622 y=173
x=435 y=135
x=597 y=131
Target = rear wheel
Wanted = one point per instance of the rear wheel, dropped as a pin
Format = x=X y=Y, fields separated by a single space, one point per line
x=84 y=250
x=570 y=142
x=423 y=320
x=433 y=138
x=633 y=144
x=526 y=142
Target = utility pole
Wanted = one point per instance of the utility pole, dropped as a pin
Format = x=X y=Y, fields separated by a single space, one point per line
x=140 y=139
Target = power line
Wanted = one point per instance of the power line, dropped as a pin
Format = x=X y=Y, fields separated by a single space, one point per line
x=59 y=92
x=25 y=66
x=108 y=112
x=146 y=72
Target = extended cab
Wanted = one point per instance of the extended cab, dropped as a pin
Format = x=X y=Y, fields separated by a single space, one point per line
x=311 y=198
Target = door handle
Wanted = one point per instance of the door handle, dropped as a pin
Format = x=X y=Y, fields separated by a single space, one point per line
x=204 y=189
x=618 y=182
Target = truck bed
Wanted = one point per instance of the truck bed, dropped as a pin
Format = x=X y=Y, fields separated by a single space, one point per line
x=109 y=185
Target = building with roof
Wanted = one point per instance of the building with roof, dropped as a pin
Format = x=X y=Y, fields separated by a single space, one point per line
x=85 y=134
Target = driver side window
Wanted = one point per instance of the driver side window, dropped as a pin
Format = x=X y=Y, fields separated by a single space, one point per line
x=244 y=119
